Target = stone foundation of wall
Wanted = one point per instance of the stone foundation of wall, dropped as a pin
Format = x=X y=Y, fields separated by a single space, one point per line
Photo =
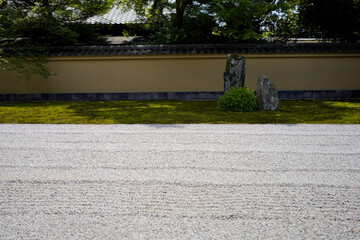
x=284 y=95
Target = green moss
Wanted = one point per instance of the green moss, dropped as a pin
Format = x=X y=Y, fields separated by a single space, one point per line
x=169 y=112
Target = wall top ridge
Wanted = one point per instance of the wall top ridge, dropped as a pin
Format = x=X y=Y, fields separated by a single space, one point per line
x=192 y=49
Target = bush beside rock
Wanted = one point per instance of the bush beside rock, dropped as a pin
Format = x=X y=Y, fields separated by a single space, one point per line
x=239 y=100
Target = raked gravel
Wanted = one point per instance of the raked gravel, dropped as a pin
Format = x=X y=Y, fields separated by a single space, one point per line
x=179 y=181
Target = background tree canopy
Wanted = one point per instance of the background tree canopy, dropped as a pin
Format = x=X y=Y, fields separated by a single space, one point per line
x=208 y=21
x=236 y=21
x=333 y=19
x=28 y=27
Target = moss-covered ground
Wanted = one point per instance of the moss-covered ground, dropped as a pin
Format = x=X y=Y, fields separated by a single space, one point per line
x=170 y=112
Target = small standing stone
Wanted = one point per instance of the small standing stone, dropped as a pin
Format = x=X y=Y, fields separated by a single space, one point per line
x=234 y=75
x=267 y=94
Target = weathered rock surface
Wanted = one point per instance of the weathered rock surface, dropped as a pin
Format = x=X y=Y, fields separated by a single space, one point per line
x=267 y=94
x=234 y=75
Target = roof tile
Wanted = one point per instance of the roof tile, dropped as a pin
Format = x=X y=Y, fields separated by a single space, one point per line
x=115 y=16
x=204 y=49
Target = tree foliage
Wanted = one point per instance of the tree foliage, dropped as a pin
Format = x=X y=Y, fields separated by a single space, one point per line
x=28 y=26
x=248 y=19
x=335 y=19
x=184 y=21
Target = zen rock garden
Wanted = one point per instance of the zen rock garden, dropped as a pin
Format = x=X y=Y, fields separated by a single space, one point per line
x=234 y=76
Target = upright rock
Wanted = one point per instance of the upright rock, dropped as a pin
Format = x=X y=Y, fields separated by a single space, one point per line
x=234 y=75
x=267 y=94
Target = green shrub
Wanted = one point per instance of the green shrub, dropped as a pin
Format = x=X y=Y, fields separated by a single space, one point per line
x=238 y=100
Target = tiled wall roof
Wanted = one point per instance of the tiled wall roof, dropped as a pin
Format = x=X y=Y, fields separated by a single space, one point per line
x=204 y=49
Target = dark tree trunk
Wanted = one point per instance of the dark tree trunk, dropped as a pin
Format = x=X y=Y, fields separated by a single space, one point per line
x=180 y=10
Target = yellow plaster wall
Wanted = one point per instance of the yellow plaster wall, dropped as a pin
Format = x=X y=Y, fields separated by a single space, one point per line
x=183 y=73
x=306 y=72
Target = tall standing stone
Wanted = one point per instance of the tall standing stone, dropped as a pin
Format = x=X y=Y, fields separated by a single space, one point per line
x=234 y=75
x=267 y=94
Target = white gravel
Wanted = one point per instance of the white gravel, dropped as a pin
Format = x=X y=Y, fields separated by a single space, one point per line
x=179 y=181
